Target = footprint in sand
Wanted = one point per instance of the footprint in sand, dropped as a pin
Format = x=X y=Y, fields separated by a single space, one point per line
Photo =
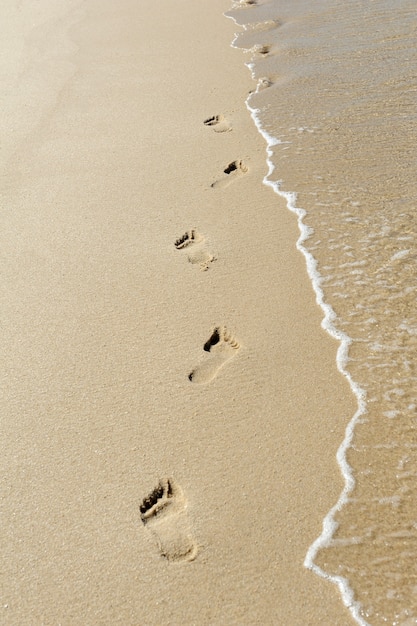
x=223 y=346
x=261 y=50
x=219 y=123
x=163 y=512
x=197 y=249
x=234 y=170
x=264 y=83
x=266 y=25
x=244 y=3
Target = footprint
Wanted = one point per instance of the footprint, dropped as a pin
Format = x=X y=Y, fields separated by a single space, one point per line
x=244 y=3
x=264 y=83
x=223 y=346
x=234 y=170
x=219 y=123
x=261 y=50
x=198 y=252
x=163 y=512
x=266 y=25
x=190 y=237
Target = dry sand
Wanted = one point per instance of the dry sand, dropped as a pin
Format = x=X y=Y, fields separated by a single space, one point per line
x=171 y=407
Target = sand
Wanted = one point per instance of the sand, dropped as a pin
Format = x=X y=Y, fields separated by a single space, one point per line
x=171 y=407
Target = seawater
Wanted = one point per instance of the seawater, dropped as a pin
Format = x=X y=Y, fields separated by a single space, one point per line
x=336 y=100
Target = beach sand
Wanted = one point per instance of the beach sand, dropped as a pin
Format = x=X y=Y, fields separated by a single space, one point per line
x=171 y=406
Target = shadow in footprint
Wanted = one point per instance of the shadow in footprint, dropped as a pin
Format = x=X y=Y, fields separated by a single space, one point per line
x=219 y=123
x=188 y=238
x=245 y=3
x=234 y=170
x=261 y=50
x=163 y=512
x=222 y=346
x=198 y=252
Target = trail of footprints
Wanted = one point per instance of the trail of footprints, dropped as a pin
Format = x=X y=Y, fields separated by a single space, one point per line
x=163 y=511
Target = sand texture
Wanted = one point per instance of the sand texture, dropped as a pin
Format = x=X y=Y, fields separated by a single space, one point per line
x=171 y=408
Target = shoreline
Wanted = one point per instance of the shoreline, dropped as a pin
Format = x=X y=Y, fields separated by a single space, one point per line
x=329 y=522
x=111 y=430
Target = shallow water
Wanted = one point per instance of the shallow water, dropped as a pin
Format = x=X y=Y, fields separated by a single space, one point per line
x=337 y=86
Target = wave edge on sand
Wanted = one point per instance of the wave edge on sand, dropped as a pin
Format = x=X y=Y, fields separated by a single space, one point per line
x=329 y=524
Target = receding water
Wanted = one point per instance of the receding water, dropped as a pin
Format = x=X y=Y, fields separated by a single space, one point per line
x=337 y=86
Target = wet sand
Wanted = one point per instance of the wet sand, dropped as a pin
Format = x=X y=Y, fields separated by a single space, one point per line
x=171 y=407
x=337 y=88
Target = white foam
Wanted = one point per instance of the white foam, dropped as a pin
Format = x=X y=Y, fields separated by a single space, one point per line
x=329 y=523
